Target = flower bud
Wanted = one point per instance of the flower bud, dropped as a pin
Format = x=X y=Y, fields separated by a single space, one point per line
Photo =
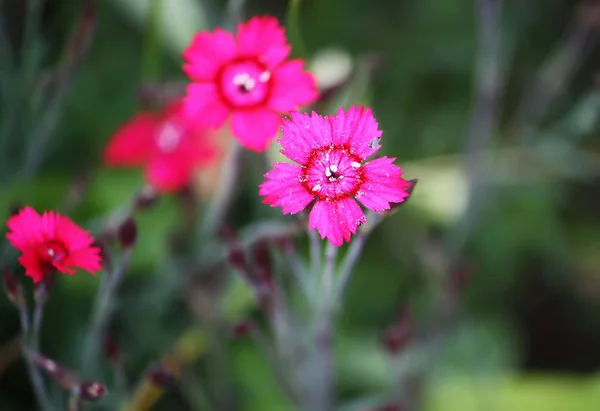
x=14 y=290
x=161 y=376
x=397 y=336
x=243 y=328
x=127 y=233
x=92 y=391
x=111 y=349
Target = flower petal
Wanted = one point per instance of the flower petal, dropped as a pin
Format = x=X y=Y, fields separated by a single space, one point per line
x=207 y=53
x=356 y=128
x=255 y=128
x=302 y=134
x=132 y=142
x=33 y=269
x=292 y=87
x=87 y=259
x=24 y=228
x=383 y=184
x=71 y=236
x=203 y=105
x=284 y=188
x=169 y=173
x=336 y=220
x=264 y=38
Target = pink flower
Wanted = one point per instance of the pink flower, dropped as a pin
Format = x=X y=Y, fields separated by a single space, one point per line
x=168 y=145
x=331 y=154
x=51 y=242
x=247 y=77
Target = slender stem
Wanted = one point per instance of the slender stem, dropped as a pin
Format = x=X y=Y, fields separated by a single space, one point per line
x=235 y=9
x=151 y=66
x=315 y=255
x=293 y=25
x=483 y=121
x=218 y=208
x=104 y=307
x=31 y=343
x=353 y=254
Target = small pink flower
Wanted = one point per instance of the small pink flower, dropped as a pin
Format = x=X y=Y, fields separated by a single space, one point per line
x=331 y=154
x=168 y=145
x=51 y=242
x=247 y=77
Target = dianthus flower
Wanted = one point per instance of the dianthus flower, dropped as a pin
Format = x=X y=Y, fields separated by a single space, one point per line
x=247 y=77
x=170 y=147
x=51 y=242
x=331 y=154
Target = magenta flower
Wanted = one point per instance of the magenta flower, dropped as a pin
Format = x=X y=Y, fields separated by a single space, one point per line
x=169 y=146
x=246 y=77
x=331 y=154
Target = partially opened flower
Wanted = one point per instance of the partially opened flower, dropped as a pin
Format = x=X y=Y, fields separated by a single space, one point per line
x=51 y=242
x=166 y=143
x=331 y=154
x=247 y=77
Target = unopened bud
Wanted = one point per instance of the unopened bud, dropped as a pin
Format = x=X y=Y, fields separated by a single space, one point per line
x=264 y=270
x=92 y=391
x=111 y=349
x=14 y=290
x=399 y=334
x=243 y=328
x=161 y=376
x=145 y=199
x=127 y=233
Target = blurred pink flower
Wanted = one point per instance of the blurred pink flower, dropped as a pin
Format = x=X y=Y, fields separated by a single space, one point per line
x=51 y=242
x=331 y=152
x=247 y=77
x=168 y=145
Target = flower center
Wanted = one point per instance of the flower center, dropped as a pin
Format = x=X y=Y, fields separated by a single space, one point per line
x=168 y=137
x=52 y=252
x=245 y=83
x=333 y=173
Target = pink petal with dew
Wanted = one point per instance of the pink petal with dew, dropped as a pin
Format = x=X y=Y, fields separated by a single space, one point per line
x=292 y=87
x=33 y=269
x=87 y=259
x=203 y=105
x=255 y=128
x=382 y=184
x=336 y=220
x=284 y=189
x=303 y=134
x=132 y=142
x=356 y=128
x=207 y=53
x=168 y=173
x=263 y=38
x=25 y=229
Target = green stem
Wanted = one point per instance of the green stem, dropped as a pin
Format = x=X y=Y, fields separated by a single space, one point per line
x=293 y=29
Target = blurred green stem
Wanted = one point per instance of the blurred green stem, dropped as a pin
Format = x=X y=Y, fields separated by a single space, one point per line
x=293 y=29
x=151 y=59
x=32 y=338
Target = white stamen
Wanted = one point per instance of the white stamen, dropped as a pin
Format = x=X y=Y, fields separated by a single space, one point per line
x=317 y=187
x=51 y=252
x=327 y=172
x=264 y=76
x=333 y=168
x=168 y=138
x=355 y=164
x=244 y=80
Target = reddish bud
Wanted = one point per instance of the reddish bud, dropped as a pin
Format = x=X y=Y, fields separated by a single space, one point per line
x=264 y=270
x=145 y=199
x=397 y=336
x=92 y=391
x=460 y=276
x=160 y=376
x=111 y=349
x=243 y=328
x=14 y=290
x=127 y=233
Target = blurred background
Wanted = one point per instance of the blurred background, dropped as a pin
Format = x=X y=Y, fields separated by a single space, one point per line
x=482 y=293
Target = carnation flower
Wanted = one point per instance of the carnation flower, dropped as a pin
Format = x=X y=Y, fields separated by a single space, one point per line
x=51 y=242
x=331 y=154
x=246 y=76
x=170 y=147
